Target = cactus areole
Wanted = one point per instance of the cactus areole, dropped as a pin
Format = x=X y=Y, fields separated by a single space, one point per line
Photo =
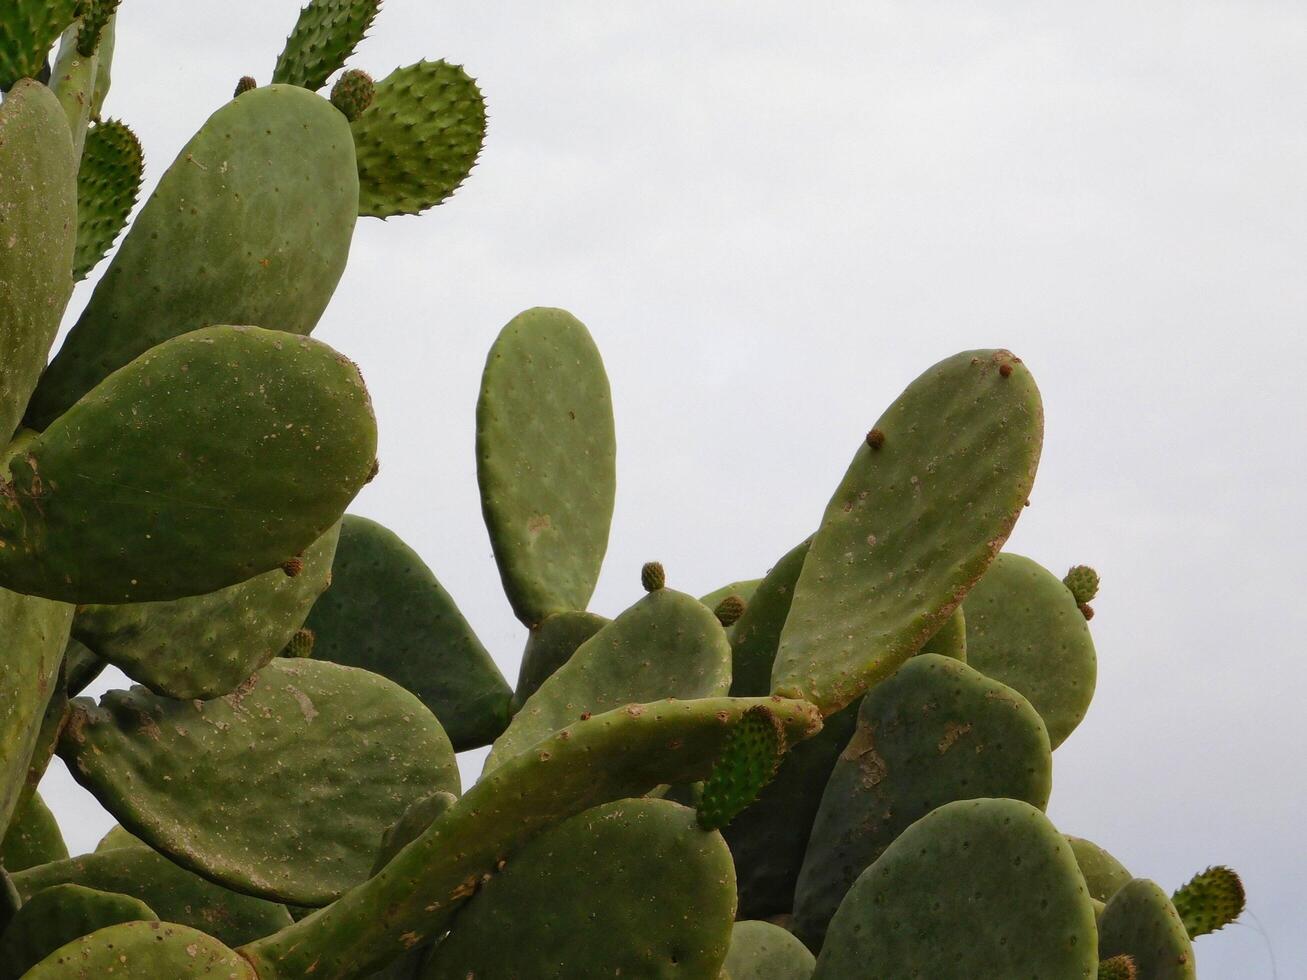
x=855 y=745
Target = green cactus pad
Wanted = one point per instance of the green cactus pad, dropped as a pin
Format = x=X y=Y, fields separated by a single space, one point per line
x=33 y=837
x=914 y=912
x=935 y=732
x=28 y=29
x=757 y=633
x=104 y=67
x=549 y=646
x=386 y=612
x=1104 y=875
x=746 y=765
x=250 y=225
x=324 y=37
x=667 y=645
x=235 y=502
x=72 y=79
x=419 y=138
x=174 y=893
x=52 y=722
x=1141 y=922
x=1211 y=900
x=117 y=837
x=38 y=224
x=894 y=555
x=353 y=93
x=58 y=916
x=951 y=638
x=623 y=753
x=81 y=666
x=600 y=894
x=420 y=815
x=546 y=461
x=301 y=770
x=1024 y=629
x=763 y=951
x=35 y=632
x=204 y=646
x=108 y=183
x=769 y=838
x=144 y=951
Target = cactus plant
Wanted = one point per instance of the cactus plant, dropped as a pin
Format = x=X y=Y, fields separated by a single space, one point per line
x=865 y=733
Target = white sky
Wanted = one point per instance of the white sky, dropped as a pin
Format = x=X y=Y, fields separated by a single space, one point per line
x=773 y=216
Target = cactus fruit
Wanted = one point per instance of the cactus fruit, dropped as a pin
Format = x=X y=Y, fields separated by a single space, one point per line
x=353 y=93
x=1083 y=583
x=855 y=747
x=1209 y=901
x=246 y=83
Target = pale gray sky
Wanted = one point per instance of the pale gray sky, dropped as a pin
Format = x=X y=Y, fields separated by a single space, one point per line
x=773 y=216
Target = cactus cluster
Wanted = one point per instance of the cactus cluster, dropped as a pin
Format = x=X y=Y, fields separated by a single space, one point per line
x=836 y=770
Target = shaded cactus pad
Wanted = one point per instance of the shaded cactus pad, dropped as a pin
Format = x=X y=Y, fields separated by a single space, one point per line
x=762 y=951
x=1141 y=922
x=144 y=951
x=59 y=915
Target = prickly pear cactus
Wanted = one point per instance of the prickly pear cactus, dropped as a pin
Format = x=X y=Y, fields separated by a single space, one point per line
x=837 y=769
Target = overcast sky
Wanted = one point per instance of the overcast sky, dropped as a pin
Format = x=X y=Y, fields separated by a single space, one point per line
x=773 y=216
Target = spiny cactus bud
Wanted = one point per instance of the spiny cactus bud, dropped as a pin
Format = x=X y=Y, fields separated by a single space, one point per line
x=748 y=762
x=246 y=84
x=293 y=566
x=1210 y=901
x=1083 y=583
x=1118 y=968
x=352 y=93
x=301 y=644
x=373 y=471
x=875 y=438
x=94 y=15
x=652 y=576
x=1087 y=611
x=729 y=610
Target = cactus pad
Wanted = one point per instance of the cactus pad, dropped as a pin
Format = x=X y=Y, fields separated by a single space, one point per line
x=914 y=912
x=1211 y=900
x=893 y=556
x=950 y=640
x=278 y=820
x=1104 y=875
x=419 y=138
x=324 y=37
x=233 y=504
x=28 y=28
x=1024 y=629
x=385 y=612
x=667 y=645
x=204 y=646
x=144 y=951
x=746 y=765
x=546 y=461
x=33 y=837
x=763 y=951
x=107 y=185
x=550 y=645
x=174 y=893
x=58 y=916
x=250 y=225
x=1141 y=922
x=600 y=894
x=38 y=224
x=934 y=732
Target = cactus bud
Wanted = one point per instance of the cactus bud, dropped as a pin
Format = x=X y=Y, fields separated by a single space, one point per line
x=1210 y=901
x=1083 y=583
x=301 y=644
x=94 y=15
x=1087 y=611
x=748 y=762
x=652 y=576
x=729 y=610
x=875 y=438
x=352 y=93
x=293 y=566
x=1118 y=968
x=246 y=83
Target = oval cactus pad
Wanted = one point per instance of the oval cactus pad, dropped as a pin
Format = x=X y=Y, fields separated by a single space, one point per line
x=925 y=506
x=546 y=461
x=281 y=789
x=144 y=951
